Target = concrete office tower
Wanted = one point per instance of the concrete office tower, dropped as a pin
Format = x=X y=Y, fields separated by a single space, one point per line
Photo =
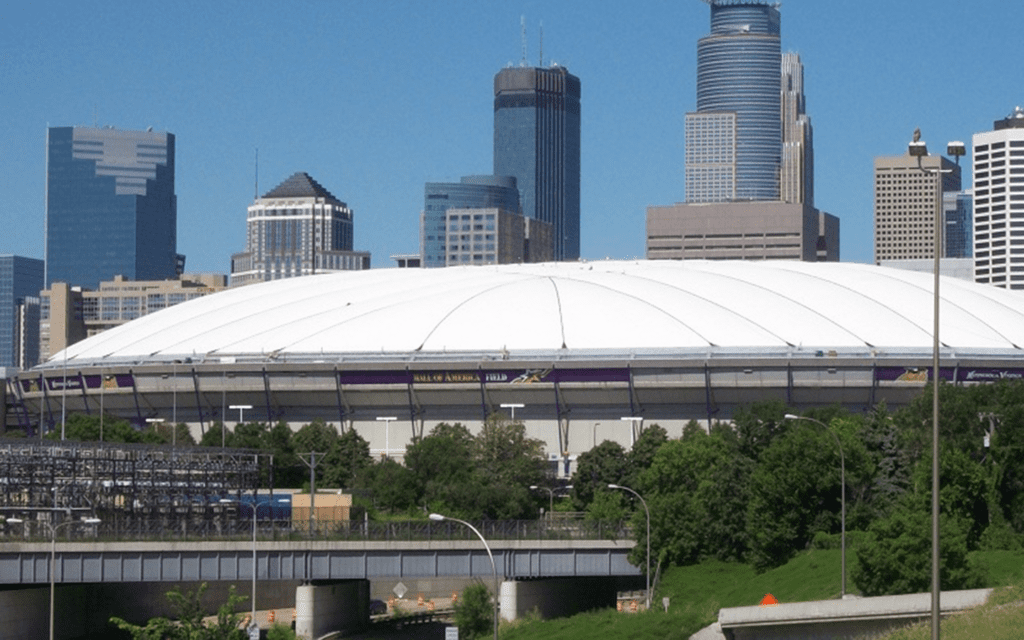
x=998 y=203
x=734 y=139
x=297 y=228
x=21 y=280
x=905 y=205
x=796 y=177
x=110 y=206
x=537 y=140
x=471 y=192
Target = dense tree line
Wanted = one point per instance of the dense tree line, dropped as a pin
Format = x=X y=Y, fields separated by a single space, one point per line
x=449 y=470
x=756 y=490
x=765 y=487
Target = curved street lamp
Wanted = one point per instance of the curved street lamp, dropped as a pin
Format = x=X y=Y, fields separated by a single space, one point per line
x=648 y=511
x=437 y=517
x=842 y=481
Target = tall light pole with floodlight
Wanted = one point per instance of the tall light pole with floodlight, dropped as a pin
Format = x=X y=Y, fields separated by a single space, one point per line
x=842 y=481
x=387 y=420
x=437 y=517
x=648 y=512
x=513 y=406
x=255 y=509
x=53 y=551
x=919 y=149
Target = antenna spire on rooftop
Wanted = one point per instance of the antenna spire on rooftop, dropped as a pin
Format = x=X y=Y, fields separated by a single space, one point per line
x=522 y=25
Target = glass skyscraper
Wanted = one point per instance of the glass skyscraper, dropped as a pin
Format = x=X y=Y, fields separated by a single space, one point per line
x=537 y=140
x=21 y=280
x=472 y=192
x=110 y=206
x=738 y=75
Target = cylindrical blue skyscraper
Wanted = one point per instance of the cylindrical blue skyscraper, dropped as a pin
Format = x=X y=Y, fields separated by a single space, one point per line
x=738 y=71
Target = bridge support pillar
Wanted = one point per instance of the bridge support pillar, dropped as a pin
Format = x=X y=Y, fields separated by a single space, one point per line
x=323 y=606
x=555 y=597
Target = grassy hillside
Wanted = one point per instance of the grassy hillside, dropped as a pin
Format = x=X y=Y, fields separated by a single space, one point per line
x=697 y=592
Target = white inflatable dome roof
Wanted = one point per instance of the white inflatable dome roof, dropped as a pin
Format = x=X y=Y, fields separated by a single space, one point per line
x=617 y=306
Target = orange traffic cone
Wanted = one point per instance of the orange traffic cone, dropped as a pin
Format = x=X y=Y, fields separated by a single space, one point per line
x=768 y=600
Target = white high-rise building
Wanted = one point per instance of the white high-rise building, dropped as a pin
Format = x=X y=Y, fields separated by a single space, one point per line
x=999 y=203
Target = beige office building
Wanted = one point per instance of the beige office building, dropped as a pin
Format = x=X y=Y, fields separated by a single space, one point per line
x=742 y=231
x=906 y=199
x=69 y=314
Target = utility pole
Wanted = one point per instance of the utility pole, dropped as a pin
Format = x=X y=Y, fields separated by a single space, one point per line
x=312 y=463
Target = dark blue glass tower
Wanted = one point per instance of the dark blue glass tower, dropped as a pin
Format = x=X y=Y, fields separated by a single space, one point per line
x=537 y=140
x=110 y=206
x=739 y=71
x=21 y=280
x=472 y=192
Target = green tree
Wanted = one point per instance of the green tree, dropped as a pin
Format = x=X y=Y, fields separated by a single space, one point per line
x=474 y=613
x=86 y=428
x=697 y=489
x=216 y=435
x=391 y=485
x=641 y=455
x=288 y=469
x=595 y=469
x=188 y=623
x=350 y=456
x=443 y=465
x=794 y=492
x=895 y=555
x=507 y=462
x=758 y=425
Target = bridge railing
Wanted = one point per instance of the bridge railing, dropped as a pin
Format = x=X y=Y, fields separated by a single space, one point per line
x=128 y=529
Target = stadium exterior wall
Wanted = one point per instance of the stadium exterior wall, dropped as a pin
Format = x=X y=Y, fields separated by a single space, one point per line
x=571 y=401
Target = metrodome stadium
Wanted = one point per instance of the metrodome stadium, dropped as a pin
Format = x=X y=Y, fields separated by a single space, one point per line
x=579 y=352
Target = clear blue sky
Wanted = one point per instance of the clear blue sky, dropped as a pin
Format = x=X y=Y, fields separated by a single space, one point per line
x=374 y=98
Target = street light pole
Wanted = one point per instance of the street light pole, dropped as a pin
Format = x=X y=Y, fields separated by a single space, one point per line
x=387 y=433
x=842 y=481
x=53 y=552
x=551 y=495
x=513 y=406
x=156 y=422
x=919 y=149
x=437 y=517
x=648 y=511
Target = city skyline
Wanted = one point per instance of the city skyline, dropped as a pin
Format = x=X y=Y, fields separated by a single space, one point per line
x=404 y=96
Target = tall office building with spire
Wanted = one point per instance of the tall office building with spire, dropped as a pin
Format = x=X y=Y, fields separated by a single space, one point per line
x=749 y=169
x=537 y=141
x=796 y=174
x=734 y=139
